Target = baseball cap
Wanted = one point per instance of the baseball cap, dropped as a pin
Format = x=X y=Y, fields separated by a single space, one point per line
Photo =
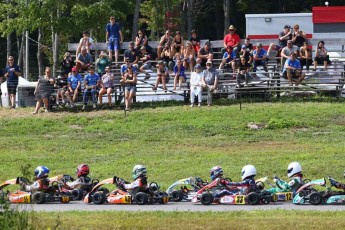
x=209 y=62
x=259 y=44
x=74 y=69
x=289 y=41
x=287 y=27
x=243 y=46
x=197 y=66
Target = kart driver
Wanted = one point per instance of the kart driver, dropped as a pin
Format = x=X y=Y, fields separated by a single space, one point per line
x=41 y=180
x=83 y=181
x=338 y=184
x=248 y=182
x=140 y=179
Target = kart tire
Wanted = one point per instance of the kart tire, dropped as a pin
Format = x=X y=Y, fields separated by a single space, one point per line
x=39 y=198
x=98 y=198
x=77 y=194
x=141 y=198
x=177 y=196
x=315 y=198
x=104 y=190
x=253 y=198
x=206 y=198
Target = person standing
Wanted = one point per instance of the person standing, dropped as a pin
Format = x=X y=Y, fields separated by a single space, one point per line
x=113 y=38
x=129 y=80
x=43 y=90
x=195 y=85
x=12 y=75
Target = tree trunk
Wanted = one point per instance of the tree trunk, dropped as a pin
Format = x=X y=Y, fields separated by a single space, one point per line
x=136 y=19
x=56 y=54
x=9 y=45
x=40 y=53
x=21 y=47
x=226 y=8
x=188 y=7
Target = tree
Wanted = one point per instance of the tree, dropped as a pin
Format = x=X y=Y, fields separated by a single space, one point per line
x=136 y=19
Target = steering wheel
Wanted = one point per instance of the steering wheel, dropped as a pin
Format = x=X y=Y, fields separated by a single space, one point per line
x=154 y=186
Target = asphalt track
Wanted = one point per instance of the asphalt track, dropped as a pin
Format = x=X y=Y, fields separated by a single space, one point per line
x=172 y=207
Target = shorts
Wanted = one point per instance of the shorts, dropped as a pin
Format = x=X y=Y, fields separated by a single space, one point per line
x=294 y=74
x=62 y=90
x=113 y=44
x=42 y=95
x=131 y=88
x=11 y=89
x=146 y=65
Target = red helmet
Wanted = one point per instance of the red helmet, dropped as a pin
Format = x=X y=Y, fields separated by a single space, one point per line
x=82 y=170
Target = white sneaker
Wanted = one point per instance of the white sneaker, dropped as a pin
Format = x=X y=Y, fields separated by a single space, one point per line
x=94 y=106
x=46 y=111
x=191 y=105
x=84 y=106
x=199 y=105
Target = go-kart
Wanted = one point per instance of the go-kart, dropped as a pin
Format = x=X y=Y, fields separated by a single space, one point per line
x=206 y=195
x=78 y=192
x=140 y=196
x=38 y=197
x=187 y=190
x=308 y=194
x=276 y=196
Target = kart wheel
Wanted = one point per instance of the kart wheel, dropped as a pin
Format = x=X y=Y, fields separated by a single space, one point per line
x=104 y=190
x=206 y=198
x=177 y=196
x=98 y=198
x=253 y=198
x=141 y=198
x=39 y=198
x=315 y=198
x=77 y=194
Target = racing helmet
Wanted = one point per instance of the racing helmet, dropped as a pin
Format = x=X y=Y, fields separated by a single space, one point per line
x=293 y=169
x=216 y=171
x=41 y=171
x=83 y=170
x=247 y=171
x=139 y=170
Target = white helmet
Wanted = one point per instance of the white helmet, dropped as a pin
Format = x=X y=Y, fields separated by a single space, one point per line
x=247 y=171
x=138 y=170
x=294 y=168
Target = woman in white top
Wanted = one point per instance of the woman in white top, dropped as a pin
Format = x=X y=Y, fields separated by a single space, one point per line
x=195 y=85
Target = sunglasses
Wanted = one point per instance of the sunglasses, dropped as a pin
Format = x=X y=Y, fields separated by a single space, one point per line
x=10 y=59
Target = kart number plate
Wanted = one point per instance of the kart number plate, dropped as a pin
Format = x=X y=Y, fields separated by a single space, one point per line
x=240 y=200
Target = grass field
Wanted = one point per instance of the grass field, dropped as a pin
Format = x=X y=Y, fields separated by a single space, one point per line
x=176 y=142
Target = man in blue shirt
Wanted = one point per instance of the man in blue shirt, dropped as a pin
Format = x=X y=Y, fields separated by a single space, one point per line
x=84 y=60
x=292 y=70
x=91 y=82
x=12 y=74
x=114 y=38
x=259 y=57
x=74 y=82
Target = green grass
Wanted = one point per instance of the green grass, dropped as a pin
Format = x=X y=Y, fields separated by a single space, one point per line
x=175 y=142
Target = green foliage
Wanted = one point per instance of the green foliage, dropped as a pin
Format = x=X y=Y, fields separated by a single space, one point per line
x=278 y=123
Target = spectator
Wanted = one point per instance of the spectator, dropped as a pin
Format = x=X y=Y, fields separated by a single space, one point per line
x=84 y=60
x=321 y=56
x=129 y=80
x=189 y=56
x=210 y=81
x=284 y=37
x=162 y=76
x=167 y=56
x=195 y=85
x=292 y=70
x=107 y=83
x=259 y=57
x=165 y=39
x=229 y=58
x=305 y=56
x=74 y=84
x=248 y=45
x=43 y=90
x=177 y=43
x=205 y=54
x=124 y=67
x=86 y=42
x=12 y=77
x=62 y=87
x=132 y=54
x=145 y=57
x=232 y=39
x=141 y=40
x=114 y=38
x=180 y=76
x=286 y=51
x=67 y=64
x=102 y=62
x=91 y=84
x=246 y=53
x=243 y=72
x=195 y=40
x=298 y=36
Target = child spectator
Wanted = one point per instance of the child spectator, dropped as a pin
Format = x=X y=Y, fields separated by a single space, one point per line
x=229 y=58
x=74 y=84
x=195 y=40
x=162 y=76
x=179 y=74
x=195 y=85
x=67 y=64
x=91 y=84
x=243 y=73
x=107 y=83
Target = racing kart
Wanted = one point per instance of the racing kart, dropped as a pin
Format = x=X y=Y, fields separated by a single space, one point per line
x=206 y=195
x=276 y=196
x=187 y=190
x=38 y=197
x=140 y=196
x=308 y=194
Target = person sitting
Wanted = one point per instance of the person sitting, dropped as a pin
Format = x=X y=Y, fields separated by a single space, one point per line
x=205 y=54
x=91 y=84
x=107 y=83
x=74 y=84
x=179 y=75
x=83 y=181
x=248 y=46
x=162 y=76
x=129 y=80
x=132 y=54
x=229 y=58
x=167 y=56
x=298 y=36
x=232 y=39
x=84 y=60
x=259 y=57
x=189 y=56
x=102 y=62
x=292 y=70
x=62 y=87
x=305 y=56
x=140 y=181
x=338 y=184
x=321 y=56
x=210 y=81
x=196 y=85
x=248 y=184
x=43 y=90
x=165 y=39
x=286 y=51
x=246 y=53
x=41 y=180
x=284 y=37
x=243 y=73
x=67 y=64
x=195 y=40
x=145 y=57
x=177 y=43
x=141 y=39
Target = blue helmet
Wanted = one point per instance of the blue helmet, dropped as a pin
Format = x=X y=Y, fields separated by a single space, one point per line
x=41 y=171
x=216 y=171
